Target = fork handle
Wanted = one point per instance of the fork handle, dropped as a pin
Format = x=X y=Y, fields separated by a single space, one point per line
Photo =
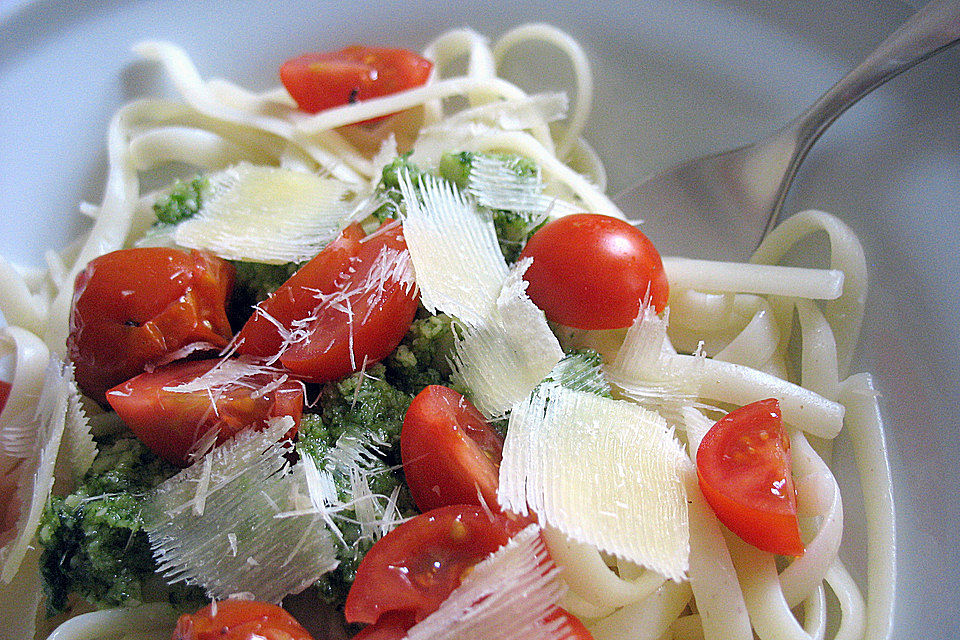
x=933 y=27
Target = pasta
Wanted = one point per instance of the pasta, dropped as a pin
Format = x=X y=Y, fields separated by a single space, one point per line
x=755 y=330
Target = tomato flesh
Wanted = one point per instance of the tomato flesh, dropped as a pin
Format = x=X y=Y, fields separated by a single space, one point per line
x=414 y=568
x=239 y=620
x=743 y=466
x=171 y=423
x=319 y=81
x=450 y=454
x=367 y=315
x=593 y=271
x=134 y=307
x=390 y=626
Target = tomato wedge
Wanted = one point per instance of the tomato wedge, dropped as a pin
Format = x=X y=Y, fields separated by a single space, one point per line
x=450 y=454
x=239 y=620
x=319 y=81
x=743 y=465
x=364 y=320
x=390 y=626
x=414 y=568
x=593 y=271
x=296 y=298
x=133 y=307
x=172 y=423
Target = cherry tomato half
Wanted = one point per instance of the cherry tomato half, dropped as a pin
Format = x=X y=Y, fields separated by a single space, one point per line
x=319 y=81
x=390 y=626
x=743 y=465
x=239 y=620
x=133 y=307
x=450 y=454
x=593 y=271
x=171 y=423
x=296 y=298
x=365 y=318
x=414 y=568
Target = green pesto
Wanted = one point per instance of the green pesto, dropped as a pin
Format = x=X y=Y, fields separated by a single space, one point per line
x=580 y=370
x=184 y=201
x=388 y=189
x=93 y=540
x=253 y=283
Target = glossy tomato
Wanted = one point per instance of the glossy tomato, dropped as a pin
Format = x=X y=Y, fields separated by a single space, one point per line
x=319 y=81
x=414 y=568
x=743 y=464
x=450 y=454
x=364 y=320
x=592 y=271
x=239 y=620
x=133 y=307
x=172 y=423
x=390 y=626
x=296 y=298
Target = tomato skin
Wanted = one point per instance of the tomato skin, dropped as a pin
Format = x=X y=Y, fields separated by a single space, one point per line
x=592 y=271
x=743 y=467
x=414 y=568
x=390 y=626
x=371 y=313
x=296 y=298
x=239 y=620
x=319 y=81
x=449 y=451
x=576 y=630
x=133 y=307
x=171 y=423
x=4 y=393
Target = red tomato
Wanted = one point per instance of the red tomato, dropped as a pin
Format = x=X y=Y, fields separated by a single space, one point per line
x=576 y=630
x=365 y=318
x=390 y=626
x=592 y=271
x=319 y=81
x=450 y=454
x=743 y=465
x=4 y=393
x=133 y=307
x=239 y=620
x=171 y=423
x=296 y=298
x=414 y=568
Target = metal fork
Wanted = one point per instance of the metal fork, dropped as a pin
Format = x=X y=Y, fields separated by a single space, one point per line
x=721 y=206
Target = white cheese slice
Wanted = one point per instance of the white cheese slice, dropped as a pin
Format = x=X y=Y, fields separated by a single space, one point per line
x=505 y=596
x=454 y=250
x=504 y=358
x=267 y=214
x=259 y=531
x=646 y=371
x=604 y=472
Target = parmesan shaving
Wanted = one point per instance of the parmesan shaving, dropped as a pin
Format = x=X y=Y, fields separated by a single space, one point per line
x=604 y=472
x=503 y=359
x=504 y=597
x=454 y=250
x=266 y=214
x=235 y=541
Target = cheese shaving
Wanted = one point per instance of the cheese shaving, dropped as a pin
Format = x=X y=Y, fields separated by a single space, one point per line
x=504 y=597
x=266 y=214
x=216 y=524
x=503 y=359
x=454 y=250
x=646 y=371
x=604 y=472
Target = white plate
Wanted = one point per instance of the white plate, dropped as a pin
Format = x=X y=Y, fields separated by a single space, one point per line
x=674 y=79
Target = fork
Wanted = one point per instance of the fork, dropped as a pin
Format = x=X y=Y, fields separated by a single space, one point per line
x=721 y=206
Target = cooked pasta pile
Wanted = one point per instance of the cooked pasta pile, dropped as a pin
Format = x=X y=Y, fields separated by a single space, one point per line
x=732 y=334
